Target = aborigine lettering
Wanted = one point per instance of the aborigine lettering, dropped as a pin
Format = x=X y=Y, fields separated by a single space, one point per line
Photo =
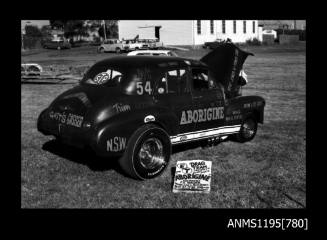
x=202 y=115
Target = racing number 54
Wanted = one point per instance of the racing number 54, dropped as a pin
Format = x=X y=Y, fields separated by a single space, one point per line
x=140 y=89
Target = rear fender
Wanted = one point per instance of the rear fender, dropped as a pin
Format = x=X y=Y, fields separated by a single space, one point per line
x=111 y=137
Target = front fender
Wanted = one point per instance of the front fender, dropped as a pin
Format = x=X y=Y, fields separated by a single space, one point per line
x=246 y=105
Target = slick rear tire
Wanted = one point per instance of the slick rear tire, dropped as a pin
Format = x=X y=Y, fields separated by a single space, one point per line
x=248 y=129
x=147 y=154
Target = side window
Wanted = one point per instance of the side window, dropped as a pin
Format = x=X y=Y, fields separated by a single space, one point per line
x=173 y=81
x=137 y=81
x=143 y=84
x=183 y=76
x=202 y=80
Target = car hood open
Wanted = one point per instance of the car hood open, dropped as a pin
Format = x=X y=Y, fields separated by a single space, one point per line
x=225 y=62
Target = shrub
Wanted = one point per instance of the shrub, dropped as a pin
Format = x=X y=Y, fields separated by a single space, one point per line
x=253 y=42
x=301 y=33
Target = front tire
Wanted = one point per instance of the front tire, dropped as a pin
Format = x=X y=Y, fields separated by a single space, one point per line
x=147 y=154
x=248 y=129
x=118 y=50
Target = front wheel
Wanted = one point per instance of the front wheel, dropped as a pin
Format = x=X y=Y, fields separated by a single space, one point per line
x=118 y=50
x=248 y=129
x=147 y=154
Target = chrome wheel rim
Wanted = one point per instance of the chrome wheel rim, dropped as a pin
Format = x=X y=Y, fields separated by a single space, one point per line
x=248 y=128
x=151 y=154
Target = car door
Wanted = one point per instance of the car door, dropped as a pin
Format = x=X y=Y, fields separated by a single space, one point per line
x=110 y=46
x=208 y=100
x=172 y=93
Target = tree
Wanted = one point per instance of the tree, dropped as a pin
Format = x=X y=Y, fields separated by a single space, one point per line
x=32 y=31
x=74 y=28
x=111 y=29
x=58 y=23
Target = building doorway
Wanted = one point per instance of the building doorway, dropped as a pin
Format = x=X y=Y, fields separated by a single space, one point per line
x=157 y=32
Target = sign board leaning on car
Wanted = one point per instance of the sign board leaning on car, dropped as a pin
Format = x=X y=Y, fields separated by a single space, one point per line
x=138 y=107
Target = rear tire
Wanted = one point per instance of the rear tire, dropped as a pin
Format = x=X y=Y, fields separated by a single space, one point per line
x=147 y=154
x=118 y=50
x=101 y=50
x=248 y=129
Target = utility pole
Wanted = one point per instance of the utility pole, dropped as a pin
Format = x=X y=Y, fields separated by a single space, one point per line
x=104 y=30
x=22 y=33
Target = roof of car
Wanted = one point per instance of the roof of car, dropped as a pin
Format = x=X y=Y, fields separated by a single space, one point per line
x=152 y=60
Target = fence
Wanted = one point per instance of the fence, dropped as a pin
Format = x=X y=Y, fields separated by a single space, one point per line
x=288 y=39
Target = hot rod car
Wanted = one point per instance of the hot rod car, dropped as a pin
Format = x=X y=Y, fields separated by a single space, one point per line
x=137 y=107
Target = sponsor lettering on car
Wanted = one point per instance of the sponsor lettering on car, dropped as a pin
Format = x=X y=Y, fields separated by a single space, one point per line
x=202 y=115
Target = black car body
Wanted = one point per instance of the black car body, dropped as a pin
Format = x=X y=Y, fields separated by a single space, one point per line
x=139 y=106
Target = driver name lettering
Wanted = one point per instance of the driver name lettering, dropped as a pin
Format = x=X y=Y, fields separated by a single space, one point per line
x=202 y=115
x=116 y=144
x=119 y=107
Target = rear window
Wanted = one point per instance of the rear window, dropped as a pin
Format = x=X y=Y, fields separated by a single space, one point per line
x=128 y=78
x=101 y=75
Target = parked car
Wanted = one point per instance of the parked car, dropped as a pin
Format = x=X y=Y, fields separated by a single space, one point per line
x=138 y=107
x=134 y=44
x=153 y=43
x=152 y=53
x=112 y=45
x=213 y=44
x=56 y=44
x=31 y=69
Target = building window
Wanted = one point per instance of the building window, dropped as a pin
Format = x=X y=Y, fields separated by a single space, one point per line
x=234 y=26
x=224 y=26
x=244 y=26
x=211 y=26
x=198 y=25
x=253 y=26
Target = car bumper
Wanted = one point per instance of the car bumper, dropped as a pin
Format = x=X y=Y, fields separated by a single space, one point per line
x=70 y=135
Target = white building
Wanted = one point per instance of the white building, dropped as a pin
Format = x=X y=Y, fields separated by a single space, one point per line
x=189 y=32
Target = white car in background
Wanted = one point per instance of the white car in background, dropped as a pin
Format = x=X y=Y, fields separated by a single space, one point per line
x=111 y=45
x=153 y=43
x=153 y=53
x=134 y=44
x=28 y=69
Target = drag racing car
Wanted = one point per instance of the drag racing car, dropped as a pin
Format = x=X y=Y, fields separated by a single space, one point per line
x=138 y=107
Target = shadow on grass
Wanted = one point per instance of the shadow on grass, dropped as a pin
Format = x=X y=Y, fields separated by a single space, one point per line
x=83 y=156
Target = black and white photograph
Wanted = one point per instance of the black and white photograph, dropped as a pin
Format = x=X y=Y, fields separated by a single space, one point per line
x=163 y=114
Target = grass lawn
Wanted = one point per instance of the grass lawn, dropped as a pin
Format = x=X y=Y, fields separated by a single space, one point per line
x=268 y=172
